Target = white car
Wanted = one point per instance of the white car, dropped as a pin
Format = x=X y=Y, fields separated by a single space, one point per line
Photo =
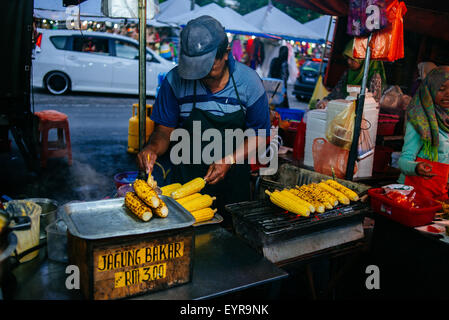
x=92 y=61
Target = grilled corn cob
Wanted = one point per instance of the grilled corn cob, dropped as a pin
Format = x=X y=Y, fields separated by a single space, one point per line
x=287 y=203
x=161 y=210
x=319 y=195
x=320 y=191
x=137 y=206
x=146 y=193
x=346 y=191
x=203 y=214
x=319 y=207
x=298 y=199
x=168 y=189
x=188 y=198
x=340 y=196
x=191 y=187
x=199 y=203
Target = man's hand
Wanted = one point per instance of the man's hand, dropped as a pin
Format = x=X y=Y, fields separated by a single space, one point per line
x=146 y=159
x=158 y=144
x=216 y=172
x=424 y=169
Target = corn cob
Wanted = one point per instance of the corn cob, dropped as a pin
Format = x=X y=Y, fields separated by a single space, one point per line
x=199 y=203
x=161 y=210
x=146 y=193
x=168 y=189
x=319 y=207
x=203 y=214
x=137 y=206
x=346 y=191
x=331 y=198
x=287 y=203
x=191 y=187
x=188 y=198
x=340 y=196
x=319 y=195
x=299 y=200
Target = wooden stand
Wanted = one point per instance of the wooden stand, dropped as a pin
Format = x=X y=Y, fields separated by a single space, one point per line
x=121 y=267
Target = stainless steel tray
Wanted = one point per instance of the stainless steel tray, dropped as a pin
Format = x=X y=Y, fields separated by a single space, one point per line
x=216 y=219
x=110 y=218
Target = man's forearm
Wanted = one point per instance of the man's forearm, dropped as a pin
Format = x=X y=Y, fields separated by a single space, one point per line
x=159 y=140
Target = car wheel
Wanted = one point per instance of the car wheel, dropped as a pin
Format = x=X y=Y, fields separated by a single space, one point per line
x=57 y=83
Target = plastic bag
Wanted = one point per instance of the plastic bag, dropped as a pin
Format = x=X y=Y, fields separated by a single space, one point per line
x=319 y=93
x=387 y=44
x=329 y=159
x=341 y=128
x=392 y=98
x=360 y=23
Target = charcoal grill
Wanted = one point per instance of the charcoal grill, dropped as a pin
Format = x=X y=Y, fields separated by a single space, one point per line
x=282 y=235
x=266 y=223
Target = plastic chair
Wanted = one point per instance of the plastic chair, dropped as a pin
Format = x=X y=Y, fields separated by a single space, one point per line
x=52 y=119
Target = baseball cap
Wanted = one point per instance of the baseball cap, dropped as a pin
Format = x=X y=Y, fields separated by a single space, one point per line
x=199 y=42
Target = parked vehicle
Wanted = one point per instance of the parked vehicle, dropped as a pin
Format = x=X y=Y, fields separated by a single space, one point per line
x=92 y=61
x=307 y=78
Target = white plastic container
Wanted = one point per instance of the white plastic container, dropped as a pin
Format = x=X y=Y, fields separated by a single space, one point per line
x=315 y=128
x=371 y=114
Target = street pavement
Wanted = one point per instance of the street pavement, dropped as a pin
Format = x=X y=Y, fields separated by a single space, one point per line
x=99 y=136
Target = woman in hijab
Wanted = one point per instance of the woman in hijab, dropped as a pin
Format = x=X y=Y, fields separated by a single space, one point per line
x=279 y=70
x=424 y=161
x=423 y=69
x=354 y=76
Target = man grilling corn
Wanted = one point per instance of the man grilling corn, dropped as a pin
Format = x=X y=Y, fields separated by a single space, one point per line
x=209 y=88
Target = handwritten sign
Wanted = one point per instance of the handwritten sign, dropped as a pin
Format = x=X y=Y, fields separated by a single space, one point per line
x=125 y=268
x=138 y=256
x=136 y=276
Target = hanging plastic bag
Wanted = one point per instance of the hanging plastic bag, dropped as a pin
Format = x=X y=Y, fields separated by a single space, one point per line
x=329 y=159
x=366 y=145
x=387 y=44
x=366 y=16
x=341 y=128
x=319 y=93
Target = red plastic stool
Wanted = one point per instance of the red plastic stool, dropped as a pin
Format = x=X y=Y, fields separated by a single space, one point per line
x=52 y=119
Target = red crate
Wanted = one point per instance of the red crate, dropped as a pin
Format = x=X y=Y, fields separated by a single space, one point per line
x=412 y=217
x=387 y=124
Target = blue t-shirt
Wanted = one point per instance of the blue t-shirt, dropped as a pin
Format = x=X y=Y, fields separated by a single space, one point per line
x=174 y=100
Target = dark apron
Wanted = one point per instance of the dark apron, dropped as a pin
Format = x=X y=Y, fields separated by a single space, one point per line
x=235 y=187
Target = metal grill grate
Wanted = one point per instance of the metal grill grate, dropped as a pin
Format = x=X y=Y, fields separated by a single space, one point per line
x=270 y=219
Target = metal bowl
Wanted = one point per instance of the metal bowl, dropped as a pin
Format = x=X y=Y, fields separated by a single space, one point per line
x=49 y=211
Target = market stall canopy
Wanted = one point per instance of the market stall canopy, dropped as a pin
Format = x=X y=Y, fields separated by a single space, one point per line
x=230 y=21
x=89 y=10
x=320 y=26
x=173 y=8
x=273 y=21
x=423 y=16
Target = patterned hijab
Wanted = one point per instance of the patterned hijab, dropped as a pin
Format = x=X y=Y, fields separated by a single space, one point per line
x=427 y=117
